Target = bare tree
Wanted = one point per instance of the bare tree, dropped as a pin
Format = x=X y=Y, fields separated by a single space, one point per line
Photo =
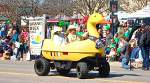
x=18 y=8
x=55 y=7
x=86 y=7
x=132 y=5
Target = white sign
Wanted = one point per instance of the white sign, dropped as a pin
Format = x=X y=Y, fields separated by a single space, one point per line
x=37 y=33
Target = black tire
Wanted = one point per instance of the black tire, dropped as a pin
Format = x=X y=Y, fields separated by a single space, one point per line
x=63 y=72
x=42 y=67
x=104 y=69
x=82 y=70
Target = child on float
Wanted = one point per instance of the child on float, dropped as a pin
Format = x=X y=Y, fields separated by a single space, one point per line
x=71 y=34
x=82 y=33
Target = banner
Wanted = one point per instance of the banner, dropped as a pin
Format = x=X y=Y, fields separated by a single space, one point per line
x=37 y=33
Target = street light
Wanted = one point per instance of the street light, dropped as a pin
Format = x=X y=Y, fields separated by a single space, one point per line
x=114 y=17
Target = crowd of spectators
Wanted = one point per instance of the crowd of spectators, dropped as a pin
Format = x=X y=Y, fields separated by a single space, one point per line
x=13 y=41
x=135 y=50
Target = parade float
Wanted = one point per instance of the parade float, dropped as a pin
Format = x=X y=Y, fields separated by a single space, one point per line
x=84 y=56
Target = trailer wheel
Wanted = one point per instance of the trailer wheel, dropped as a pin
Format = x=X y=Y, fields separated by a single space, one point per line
x=42 y=67
x=63 y=72
x=104 y=69
x=82 y=70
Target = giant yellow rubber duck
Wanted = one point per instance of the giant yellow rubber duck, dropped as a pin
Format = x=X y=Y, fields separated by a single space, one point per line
x=77 y=50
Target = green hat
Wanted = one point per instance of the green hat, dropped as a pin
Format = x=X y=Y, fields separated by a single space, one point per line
x=61 y=23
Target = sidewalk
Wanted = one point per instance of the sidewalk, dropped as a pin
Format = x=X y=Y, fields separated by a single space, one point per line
x=115 y=64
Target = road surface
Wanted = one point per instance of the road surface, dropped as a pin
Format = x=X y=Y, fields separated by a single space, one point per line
x=23 y=72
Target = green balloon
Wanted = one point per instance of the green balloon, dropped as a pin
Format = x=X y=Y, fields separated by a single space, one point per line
x=112 y=45
x=107 y=27
x=61 y=24
x=67 y=24
x=116 y=40
x=118 y=50
x=8 y=21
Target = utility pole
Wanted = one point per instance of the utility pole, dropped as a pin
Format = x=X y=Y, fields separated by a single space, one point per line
x=114 y=17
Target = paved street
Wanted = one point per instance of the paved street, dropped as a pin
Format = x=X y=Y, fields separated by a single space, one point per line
x=23 y=72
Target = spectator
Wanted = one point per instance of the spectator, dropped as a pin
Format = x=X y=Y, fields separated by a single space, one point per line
x=112 y=54
x=15 y=37
x=7 y=50
x=116 y=39
x=136 y=57
x=123 y=44
x=109 y=36
x=15 y=48
x=145 y=45
x=23 y=38
x=136 y=51
x=9 y=34
x=3 y=30
x=48 y=32
x=138 y=35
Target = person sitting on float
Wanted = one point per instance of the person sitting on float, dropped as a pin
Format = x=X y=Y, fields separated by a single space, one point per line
x=82 y=34
x=71 y=34
x=58 y=37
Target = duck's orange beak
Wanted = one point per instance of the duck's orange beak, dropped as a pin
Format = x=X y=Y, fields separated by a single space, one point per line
x=104 y=21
